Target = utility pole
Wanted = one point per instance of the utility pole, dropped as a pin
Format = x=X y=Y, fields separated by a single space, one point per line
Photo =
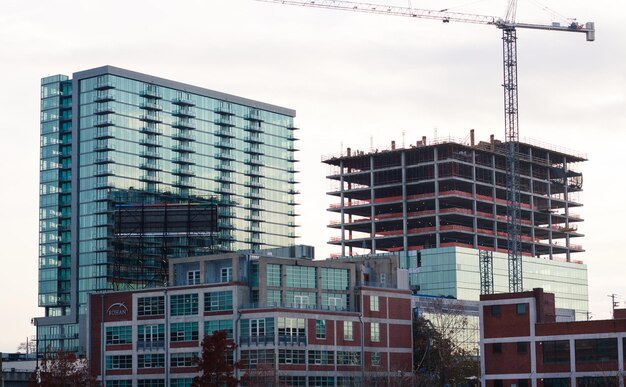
x=613 y=302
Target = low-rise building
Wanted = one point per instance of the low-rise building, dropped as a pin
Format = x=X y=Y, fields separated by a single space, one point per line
x=523 y=345
x=300 y=321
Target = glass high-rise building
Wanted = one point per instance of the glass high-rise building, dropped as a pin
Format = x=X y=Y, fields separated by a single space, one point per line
x=108 y=133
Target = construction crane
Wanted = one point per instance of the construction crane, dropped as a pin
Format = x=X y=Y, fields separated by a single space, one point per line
x=509 y=27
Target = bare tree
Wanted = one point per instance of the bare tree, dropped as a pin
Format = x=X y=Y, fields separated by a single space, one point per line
x=28 y=346
x=445 y=351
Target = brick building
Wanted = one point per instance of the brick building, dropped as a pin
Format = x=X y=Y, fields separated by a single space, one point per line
x=523 y=345
x=304 y=322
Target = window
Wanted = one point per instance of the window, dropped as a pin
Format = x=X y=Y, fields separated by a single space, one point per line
x=495 y=310
x=321 y=381
x=497 y=383
x=521 y=309
x=181 y=382
x=522 y=383
x=496 y=348
x=151 y=306
x=336 y=301
x=151 y=336
x=184 y=331
x=556 y=382
x=375 y=331
x=555 y=352
x=184 y=359
x=293 y=381
x=184 y=304
x=375 y=358
x=119 y=362
x=119 y=335
x=522 y=347
x=321 y=357
x=291 y=329
x=253 y=358
x=348 y=358
x=215 y=301
x=273 y=275
x=193 y=277
x=383 y=279
x=335 y=279
x=151 y=360
x=226 y=274
x=374 y=303
x=219 y=325
x=300 y=299
x=151 y=383
x=291 y=356
x=347 y=330
x=320 y=329
x=596 y=350
x=119 y=383
x=300 y=277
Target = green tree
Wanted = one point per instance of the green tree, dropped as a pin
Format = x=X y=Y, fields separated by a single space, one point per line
x=63 y=369
x=216 y=362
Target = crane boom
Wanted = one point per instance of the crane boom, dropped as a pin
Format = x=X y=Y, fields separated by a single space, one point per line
x=511 y=118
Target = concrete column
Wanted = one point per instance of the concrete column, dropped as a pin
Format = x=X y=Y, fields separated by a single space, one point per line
x=342 y=207
x=549 y=207
x=474 y=209
x=493 y=196
x=436 y=175
x=566 y=197
x=533 y=250
x=405 y=239
x=372 y=206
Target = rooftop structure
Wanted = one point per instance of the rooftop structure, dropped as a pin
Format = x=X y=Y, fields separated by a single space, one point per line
x=452 y=192
x=111 y=136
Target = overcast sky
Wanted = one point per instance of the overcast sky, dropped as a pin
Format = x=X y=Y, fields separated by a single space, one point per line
x=354 y=79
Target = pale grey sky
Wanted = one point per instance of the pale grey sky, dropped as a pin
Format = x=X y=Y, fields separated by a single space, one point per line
x=351 y=77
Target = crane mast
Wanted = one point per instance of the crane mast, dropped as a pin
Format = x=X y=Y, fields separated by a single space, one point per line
x=511 y=118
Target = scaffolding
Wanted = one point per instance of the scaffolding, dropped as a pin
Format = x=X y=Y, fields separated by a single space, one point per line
x=149 y=229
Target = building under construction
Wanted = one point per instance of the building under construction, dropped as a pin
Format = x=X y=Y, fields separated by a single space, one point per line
x=452 y=192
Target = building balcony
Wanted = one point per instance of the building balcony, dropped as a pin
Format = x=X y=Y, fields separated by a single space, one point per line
x=151 y=129
x=253 y=139
x=226 y=190
x=224 y=178
x=290 y=305
x=150 y=166
x=254 y=161
x=149 y=178
x=151 y=154
x=183 y=160
x=103 y=146
x=226 y=212
x=183 y=101
x=183 y=135
x=104 y=96
x=253 y=115
x=254 y=183
x=103 y=121
x=224 y=120
x=103 y=160
x=254 y=128
x=224 y=144
x=104 y=133
x=150 y=118
x=183 y=148
x=103 y=109
x=155 y=142
x=103 y=170
x=183 y=183
x=105 y=85
x=225 y=131
x=254 y=195
x=225 y=108
x=254 y=172
x=225 y=166
x=183 y=172
x=225 y=154
x=254 y=150
x=184 y=124
x=183 y=112
x=152 y=93
x=151 y=106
